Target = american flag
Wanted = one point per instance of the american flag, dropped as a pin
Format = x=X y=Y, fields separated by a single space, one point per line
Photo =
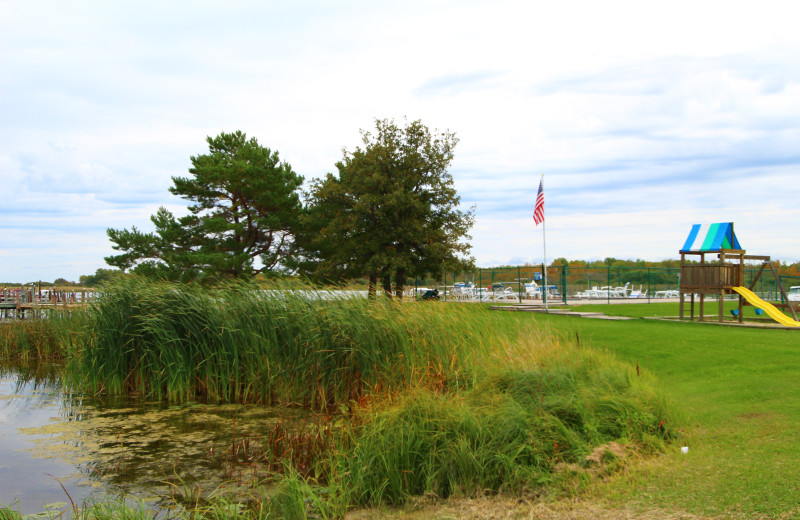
x=538 y=210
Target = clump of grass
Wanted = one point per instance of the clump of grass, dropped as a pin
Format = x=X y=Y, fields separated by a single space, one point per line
x=42 y=339
x=297 y=498
x=295 y=446
x=517 y=428
x=9 y=514
x=239 y=343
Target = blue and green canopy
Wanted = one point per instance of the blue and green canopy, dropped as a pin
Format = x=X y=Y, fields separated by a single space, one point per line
x=711 y=237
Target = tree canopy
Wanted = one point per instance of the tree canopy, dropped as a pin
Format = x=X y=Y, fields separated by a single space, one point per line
x=245 y=207
x=100 y=276
x=392 y=211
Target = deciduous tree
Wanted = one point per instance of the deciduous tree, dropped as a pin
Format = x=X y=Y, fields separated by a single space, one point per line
x=393 y=210
x=100 y=276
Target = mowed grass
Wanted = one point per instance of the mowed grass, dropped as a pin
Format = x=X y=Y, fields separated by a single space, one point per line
x=739 y=389
x=672 y=310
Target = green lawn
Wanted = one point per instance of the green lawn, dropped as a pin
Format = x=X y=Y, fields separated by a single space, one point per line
x=739 y=389
x=672 y=309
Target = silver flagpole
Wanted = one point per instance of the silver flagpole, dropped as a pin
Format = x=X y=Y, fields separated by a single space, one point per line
x=544 y=264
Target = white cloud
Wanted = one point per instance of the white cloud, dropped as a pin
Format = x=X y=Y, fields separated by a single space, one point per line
x=643 y=117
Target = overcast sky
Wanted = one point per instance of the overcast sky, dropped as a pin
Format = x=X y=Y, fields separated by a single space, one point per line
x=644 y=117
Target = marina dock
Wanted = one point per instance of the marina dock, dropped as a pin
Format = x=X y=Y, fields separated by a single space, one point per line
x=25 y=302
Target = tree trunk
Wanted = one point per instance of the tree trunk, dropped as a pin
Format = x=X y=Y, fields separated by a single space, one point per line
x=373 y=283
x=387 y=285
x=399 y=281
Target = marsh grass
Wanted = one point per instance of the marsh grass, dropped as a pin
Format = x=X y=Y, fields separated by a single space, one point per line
x=37 y=340
x=432 y=398
x=439 y=399
x=9 y=514
x=532 y=421
x=128 y=508
x=237 y=343
x=293 y=446
x=736 y=391
x=509 y=432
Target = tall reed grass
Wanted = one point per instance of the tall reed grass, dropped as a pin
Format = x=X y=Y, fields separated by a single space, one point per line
x=239 y=343
x=9 y=514
x=40 y=339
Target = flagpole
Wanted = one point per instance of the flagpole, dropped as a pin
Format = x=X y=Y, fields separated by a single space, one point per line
x=544 y=264
x=538 y=218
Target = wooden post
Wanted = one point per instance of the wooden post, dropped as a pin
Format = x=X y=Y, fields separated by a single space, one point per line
x=720 y=282
x=702 y=310
x=741 y=309
x=680 y=289
x=702 y=292
x=783 y=293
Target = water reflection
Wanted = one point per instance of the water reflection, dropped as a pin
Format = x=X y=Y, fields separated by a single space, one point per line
x=50 y=438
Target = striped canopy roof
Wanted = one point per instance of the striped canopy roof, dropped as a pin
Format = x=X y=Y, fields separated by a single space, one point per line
x=711 y=237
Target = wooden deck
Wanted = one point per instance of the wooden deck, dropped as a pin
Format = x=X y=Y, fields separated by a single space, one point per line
x=21 y=303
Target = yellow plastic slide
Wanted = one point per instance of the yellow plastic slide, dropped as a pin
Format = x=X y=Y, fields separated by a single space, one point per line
x=770 y=309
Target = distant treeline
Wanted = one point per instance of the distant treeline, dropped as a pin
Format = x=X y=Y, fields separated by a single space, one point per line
x=784 y=269
x=90 y=280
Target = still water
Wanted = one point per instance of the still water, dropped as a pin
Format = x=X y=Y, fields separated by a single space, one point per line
x=56 y=446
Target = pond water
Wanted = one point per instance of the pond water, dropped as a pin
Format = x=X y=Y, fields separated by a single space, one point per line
x=57 y=447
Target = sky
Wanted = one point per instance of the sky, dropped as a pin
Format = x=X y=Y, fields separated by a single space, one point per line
x=643 y=117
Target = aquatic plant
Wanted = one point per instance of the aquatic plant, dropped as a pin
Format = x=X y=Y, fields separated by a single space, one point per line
x=40 y=339
x=239 y=343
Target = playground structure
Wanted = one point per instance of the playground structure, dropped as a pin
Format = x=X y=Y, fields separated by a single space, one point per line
x=725 y=276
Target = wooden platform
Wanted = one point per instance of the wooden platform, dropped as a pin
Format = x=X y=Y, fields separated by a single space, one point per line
x=19 y=303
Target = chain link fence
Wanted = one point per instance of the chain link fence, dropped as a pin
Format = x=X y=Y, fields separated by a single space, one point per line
x=569 y=284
